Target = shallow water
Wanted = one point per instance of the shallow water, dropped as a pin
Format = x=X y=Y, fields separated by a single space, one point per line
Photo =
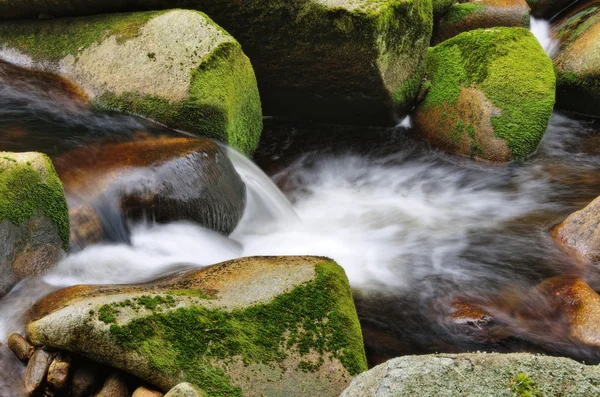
x=413 y=228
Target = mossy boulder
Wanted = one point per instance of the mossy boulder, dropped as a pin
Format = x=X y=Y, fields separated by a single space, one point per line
x=177 y=67
x=478 y=374
x=441 y=7
x=346 y=61
x=577 y=60
x=163 y=179
x=478 y=14
x=489 y=95
x=272 y=326
x=34 y=218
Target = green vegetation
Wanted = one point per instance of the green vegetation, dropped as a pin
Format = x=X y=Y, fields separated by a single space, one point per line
x=316 y=316
x=523 y=386
x=23 y=191
x=460 y=12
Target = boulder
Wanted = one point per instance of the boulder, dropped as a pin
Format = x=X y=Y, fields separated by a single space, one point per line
x=489 y=95
x=164 y=179
x=185 y=390
x=343 y=61
x=580 y=233
x=476 y=14
x=34 y=219
x=252 y=326
x=577 y=60
x=477 y=374
x=177 y=67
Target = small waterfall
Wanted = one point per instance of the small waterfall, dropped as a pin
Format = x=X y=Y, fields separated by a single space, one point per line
x=541 y=30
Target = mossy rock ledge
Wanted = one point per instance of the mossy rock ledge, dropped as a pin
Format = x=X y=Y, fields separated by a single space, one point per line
x=177 y=67
x=577 y=60
x=489 y=95
x=260 y=326
x=478 y=374
x=34 y=218
x=342 y=61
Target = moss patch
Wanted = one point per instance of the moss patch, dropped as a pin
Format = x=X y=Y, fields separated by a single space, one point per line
x=23 y=192
x=460 y=12
x=523 y=386
x=318 y=316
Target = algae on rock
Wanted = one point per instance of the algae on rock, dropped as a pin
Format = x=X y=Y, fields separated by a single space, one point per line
x=176 y=67
x=490 y=94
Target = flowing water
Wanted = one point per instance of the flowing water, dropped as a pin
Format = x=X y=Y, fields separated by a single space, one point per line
x=414 y=228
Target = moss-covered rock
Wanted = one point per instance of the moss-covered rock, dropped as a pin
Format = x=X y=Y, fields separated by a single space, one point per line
x=177 y=67
x=490 y=94
x=478 y=374
x=441 y=7
x=34 y=219
x=478 y=14
x=577 y=61
x=254 y=326
x=347 y=61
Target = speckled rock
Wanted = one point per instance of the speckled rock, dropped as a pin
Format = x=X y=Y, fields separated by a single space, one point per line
x=20 y=347
x=580 y=233
x=185 y=390
x=251 y=327
x=34 y=220
x=177 y=67
x=477 y=374
x=477 y=14
x=577 y=60
x=489 y=95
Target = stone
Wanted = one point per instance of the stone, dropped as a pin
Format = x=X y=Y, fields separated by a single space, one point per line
x=20 y=346
x=177 y=67
x=474 y=322
x=577 y=59
x=164 y=178
x=37 y=368
x=114 y=386
x=58 y=373
x=341 y=61
x=145 y=392
x=546 y=9
x=34 y=220
x=185 y=390
x=477 y=374
x=489 y=95
x=580 y=233
x=477 y=14
x=251 y=326
x=87 y=378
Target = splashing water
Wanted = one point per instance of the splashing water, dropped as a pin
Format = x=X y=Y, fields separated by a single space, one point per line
x=541 y=30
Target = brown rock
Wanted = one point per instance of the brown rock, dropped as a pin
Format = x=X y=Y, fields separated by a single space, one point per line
x=58 y=373
x=547 y=8
x=21 y=347
x=36 y=370
x=114 y=386
x=86 y=226
x=580 y=233
x=145 y=392
x=476 y=322
x=87 y=377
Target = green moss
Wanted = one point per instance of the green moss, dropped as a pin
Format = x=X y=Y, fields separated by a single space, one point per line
x=459 y=12
x=317 y=316
x=23 y=192
x=510 y=68
x=441 y=7
x=107 y=314
x=523 y=386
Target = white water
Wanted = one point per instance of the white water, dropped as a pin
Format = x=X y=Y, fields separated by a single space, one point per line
x=541 y=30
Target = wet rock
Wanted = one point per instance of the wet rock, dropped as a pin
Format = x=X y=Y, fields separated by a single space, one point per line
x=195 y=77
x=476 y=14
x=283 y=325
x=145 y=392
x=114 y=386
x=546 y=9
x=577 y=60
x=185 y=390
x=34 y=221
x=476 y=323
x=490 y=95
x=580 y=233
x=162 y=179
x=37 y=368
x=58 y=373
x=87 y=378
x=20 y=346
x=477 y=374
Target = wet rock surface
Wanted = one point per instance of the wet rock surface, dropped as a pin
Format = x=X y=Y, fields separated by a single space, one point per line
x=580 y=233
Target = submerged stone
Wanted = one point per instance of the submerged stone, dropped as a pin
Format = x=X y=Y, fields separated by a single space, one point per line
x=346 y=61
x=477 y=374
x=252 y=326
x=489 y=95
x=477 y=14
x=34 y=219
x=177 y=67
x=577 y=60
